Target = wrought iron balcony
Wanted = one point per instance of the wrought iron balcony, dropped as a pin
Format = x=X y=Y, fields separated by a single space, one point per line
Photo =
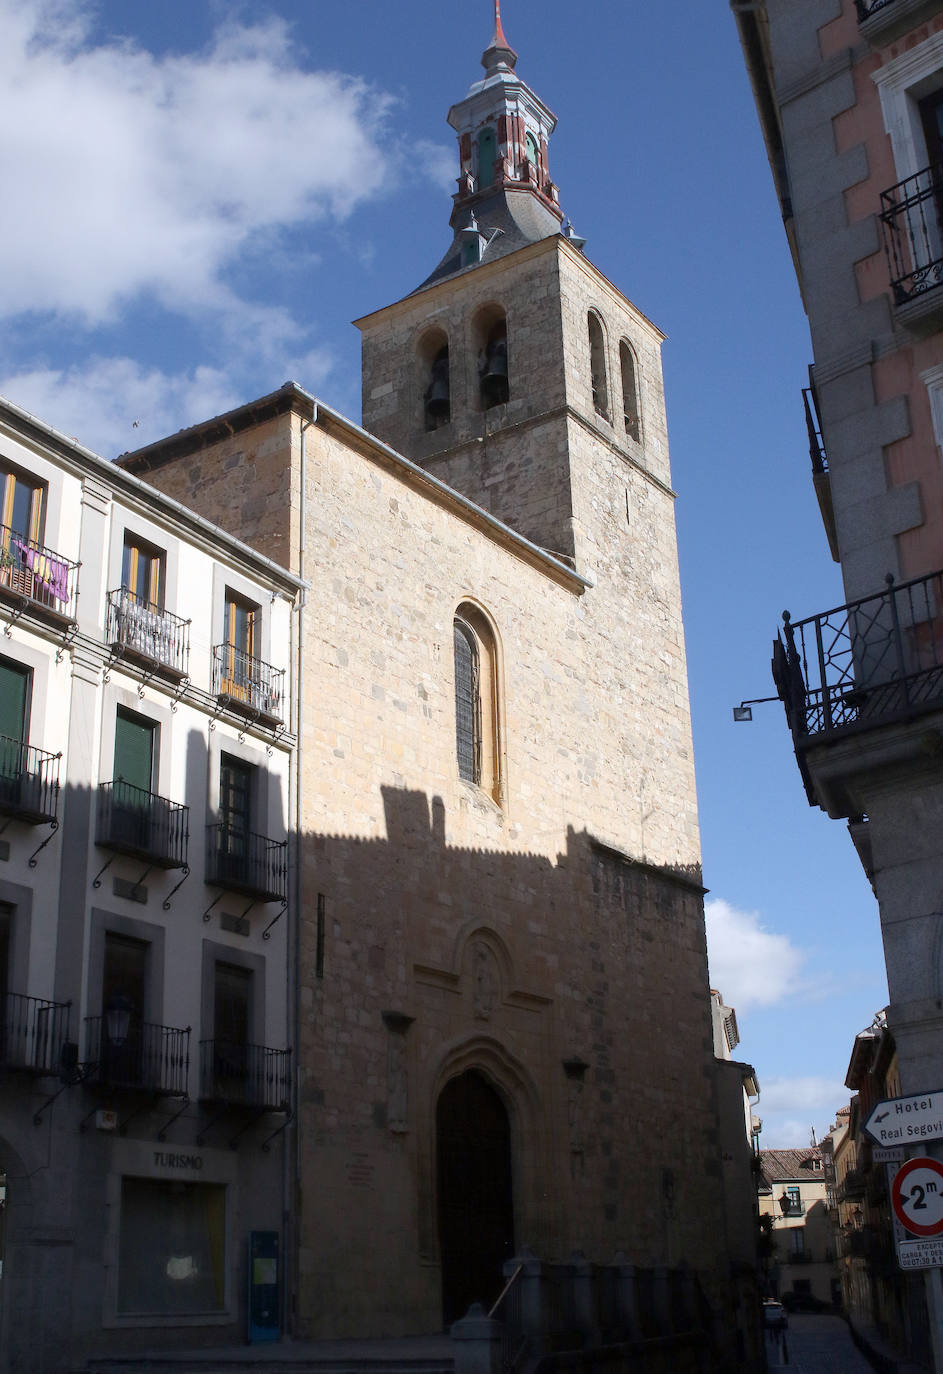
x=43 y=577
x=245 y=862
x=29 y=782
x=814 y=428
x=151 y=1059
x=792 y=1209
x=246 y=684
x=913 y=242
x=32 y=1033
x=144 y=631
x=241 y=1075
x=865 y=664
x=133 y=821
x=866 y=8
x=853 y=1186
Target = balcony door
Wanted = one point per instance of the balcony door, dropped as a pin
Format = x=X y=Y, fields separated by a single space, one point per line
x=232 y=1012
x=235 y=817
x=240 y=649
x=21 y=526
x=14 y=728
x=141 y=572
x=135 y=740
x=124 y=997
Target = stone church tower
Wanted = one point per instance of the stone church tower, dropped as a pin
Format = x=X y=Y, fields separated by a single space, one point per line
x=503 y=1029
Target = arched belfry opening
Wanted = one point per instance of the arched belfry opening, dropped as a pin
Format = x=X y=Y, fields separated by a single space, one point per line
x=491 y=331
x=475 y=1192
x=436 y=379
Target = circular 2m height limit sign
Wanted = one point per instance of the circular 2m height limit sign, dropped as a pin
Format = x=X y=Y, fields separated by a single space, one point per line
x=917 y=1196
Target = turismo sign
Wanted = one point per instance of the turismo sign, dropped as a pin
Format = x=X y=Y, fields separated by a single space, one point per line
x=900 y=1119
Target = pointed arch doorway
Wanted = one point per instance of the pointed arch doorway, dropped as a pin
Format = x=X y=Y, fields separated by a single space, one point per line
x=475 y=1192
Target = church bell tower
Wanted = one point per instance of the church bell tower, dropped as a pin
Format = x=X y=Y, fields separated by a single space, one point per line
x=516 y=372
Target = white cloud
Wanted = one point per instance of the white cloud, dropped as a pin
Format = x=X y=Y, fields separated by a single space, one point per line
x=751 y=966
x=99 y=403
x=137 y=173
x=791 y=1107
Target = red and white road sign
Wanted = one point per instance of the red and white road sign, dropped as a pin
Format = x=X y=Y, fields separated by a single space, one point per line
x=917 y=1196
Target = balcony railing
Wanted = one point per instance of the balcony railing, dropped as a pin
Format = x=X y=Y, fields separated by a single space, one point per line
x=864 y=664
x=792 y=1209
x=247 y=684
x=245 y=862
x=32 y=1033
x=910 y=216
x=141 y=824
x=145 y=631
x=42 y=576
x=814 y=427
x=152 y=1059
x=29 y=782
x=866 y=8
x=853 y=1186
x=245 y=1075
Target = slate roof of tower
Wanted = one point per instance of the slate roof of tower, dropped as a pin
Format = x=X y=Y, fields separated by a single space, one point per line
x=520 y=219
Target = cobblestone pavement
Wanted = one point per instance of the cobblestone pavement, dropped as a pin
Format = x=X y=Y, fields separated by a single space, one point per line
x=817 y=1345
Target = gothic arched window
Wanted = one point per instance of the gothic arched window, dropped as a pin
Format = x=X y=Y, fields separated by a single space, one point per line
x=597 y=365
x=467 y=703
x=630 y=403
x=477 y=709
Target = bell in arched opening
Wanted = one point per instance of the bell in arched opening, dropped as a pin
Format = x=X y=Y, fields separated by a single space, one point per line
x=493 y=368
x=438 y=406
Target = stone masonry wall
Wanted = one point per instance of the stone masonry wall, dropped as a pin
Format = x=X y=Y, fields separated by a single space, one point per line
x=495 y=937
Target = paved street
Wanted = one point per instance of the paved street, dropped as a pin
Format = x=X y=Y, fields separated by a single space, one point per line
x=818 y=1345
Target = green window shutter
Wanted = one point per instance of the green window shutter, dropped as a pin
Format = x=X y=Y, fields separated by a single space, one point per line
x=134 y=751
x=14 y=701
x=487 y=152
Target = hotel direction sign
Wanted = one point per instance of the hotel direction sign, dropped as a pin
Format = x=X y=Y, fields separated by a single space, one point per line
x=905 y=1120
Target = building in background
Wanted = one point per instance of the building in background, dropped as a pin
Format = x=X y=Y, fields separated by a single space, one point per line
x=147 y=751
x=850 y=99
x=737 y=1083
x=500 y=859
x=792 y=1193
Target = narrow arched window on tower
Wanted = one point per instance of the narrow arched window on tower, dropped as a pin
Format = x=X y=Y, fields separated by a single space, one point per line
x=437 y=400
x=630 y=405
x=478 y=712
x=533 y=156
x=434 y=378
x=597 y=364
x=487 y=152
x=490 y=331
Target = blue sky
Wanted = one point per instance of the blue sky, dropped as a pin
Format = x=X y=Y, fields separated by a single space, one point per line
x=202 y=196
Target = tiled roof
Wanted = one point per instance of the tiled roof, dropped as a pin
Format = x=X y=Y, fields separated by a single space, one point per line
x=781 y=1165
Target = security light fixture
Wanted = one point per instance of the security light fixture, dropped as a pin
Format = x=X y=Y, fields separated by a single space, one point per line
x=743 y=712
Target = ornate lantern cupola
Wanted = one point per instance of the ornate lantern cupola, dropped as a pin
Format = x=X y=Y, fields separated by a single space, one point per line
x=504 y=181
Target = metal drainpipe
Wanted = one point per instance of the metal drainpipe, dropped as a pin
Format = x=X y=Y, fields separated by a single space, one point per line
x=290 y=1155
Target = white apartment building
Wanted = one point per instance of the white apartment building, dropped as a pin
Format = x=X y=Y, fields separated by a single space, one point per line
x=147 y=776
